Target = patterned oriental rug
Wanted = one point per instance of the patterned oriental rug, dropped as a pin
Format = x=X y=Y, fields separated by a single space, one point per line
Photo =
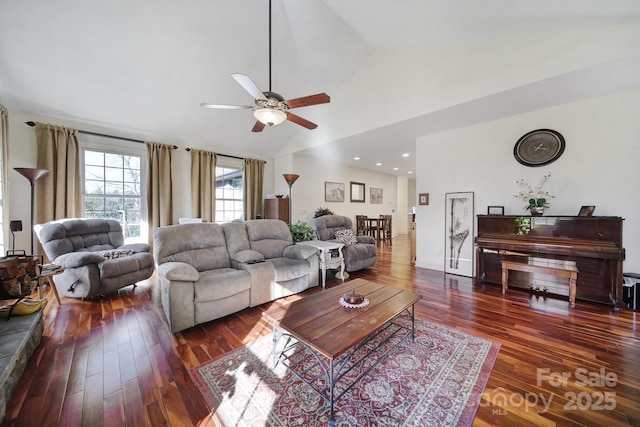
x=437 y=380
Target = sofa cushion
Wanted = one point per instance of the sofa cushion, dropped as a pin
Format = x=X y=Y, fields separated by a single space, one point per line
x=326 y=226
x=79 y=234
x=201 y=245
x=346 y=236
x=288 y=269
x=269 y=236
x=117 y=267
x=116 y=253
x=221 y=283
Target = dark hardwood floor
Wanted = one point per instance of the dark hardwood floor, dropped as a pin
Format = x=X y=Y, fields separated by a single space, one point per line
x=113 y=361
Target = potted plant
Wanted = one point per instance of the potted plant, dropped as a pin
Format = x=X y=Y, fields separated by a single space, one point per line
x=301 y=232
x=535 y=197
x=322 y=212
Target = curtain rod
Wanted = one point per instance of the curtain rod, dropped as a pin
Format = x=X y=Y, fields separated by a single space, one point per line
x=32 y=124
x=223 y=155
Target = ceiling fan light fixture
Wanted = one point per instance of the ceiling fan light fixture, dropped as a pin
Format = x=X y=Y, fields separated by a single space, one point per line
x=269 y=116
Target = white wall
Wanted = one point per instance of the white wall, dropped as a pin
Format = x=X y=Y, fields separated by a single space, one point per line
x=600 y=166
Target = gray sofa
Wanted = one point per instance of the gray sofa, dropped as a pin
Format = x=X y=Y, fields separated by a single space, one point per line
x=209 y=270
x=357 y=256
x=94 y=256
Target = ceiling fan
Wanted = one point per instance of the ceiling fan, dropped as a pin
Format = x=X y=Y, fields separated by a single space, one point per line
x=270 y=107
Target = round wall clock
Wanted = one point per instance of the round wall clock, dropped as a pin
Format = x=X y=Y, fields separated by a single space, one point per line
x=539 y=147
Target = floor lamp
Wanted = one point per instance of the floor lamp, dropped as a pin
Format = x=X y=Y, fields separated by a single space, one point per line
x=33 y=175
x=290 y=178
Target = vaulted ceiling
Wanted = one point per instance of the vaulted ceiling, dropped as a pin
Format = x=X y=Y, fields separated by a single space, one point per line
x=142 y=67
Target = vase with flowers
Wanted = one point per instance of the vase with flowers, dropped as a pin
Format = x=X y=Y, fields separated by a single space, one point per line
x=536 y=197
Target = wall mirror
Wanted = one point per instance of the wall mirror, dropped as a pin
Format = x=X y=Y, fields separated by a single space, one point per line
x=357 y=192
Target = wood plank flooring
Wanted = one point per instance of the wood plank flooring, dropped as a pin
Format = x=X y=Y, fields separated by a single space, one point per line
x=113 y=361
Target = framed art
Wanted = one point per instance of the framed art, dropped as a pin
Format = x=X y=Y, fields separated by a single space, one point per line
x=375 y=196
x=357 y=192
x=334 y=192
x=423 y=199
x=459 y=218
x=495 y=210
x=586 y=210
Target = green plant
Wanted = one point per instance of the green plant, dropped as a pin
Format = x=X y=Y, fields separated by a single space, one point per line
x=322 y=212
x=301 y=232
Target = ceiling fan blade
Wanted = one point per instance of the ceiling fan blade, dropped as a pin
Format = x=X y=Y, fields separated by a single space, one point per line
x=305 y=101
x=248 y=85
x=226 y=107
x=258 y=126
x=300 y=121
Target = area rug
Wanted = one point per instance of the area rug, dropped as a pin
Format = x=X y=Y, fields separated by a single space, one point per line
x=436 y=380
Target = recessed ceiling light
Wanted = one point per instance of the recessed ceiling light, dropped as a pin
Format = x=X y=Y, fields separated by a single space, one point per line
x=378 y=164
x=356 y=158
x=409 y=172
x=395 y=169
x=405 y=155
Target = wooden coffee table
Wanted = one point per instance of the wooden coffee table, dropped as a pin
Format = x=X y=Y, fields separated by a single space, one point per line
x=333 y=334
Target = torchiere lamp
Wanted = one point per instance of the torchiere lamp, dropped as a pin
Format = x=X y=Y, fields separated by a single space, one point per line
x=33 y=175
x=290 y=178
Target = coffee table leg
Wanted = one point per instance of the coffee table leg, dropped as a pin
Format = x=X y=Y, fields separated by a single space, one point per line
x=332 y=421
x=413 y=322
x=275 y=342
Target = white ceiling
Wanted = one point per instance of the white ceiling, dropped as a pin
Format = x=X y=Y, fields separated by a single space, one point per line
x=142 y=67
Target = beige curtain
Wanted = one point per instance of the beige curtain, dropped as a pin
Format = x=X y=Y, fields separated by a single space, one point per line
x=252 y=187
x=203 y=185
x=59 y=194
x=4 y=152
x=159 y=186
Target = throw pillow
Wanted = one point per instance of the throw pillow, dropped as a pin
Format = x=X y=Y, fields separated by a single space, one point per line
x=346 y=236
x=116 y=253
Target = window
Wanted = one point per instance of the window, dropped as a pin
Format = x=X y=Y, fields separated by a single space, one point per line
x=229 y=199
x=113 y=189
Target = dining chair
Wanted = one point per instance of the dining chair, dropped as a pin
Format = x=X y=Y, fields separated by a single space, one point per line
x=362 y=229
x=385 y=231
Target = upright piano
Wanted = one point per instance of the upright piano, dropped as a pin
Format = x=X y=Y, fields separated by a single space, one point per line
x=593 y=243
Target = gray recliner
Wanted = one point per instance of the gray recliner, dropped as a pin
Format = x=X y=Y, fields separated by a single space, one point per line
x=94 y=256
x=357 y=256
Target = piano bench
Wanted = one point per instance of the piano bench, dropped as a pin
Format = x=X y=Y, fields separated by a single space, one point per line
x=558 y=269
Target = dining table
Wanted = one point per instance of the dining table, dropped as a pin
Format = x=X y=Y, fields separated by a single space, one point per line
x=375 y=226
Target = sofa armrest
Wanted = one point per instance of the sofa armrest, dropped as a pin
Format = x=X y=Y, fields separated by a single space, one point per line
x=299 y=251
x=247 y=256
x=136 y=247
x=366 y=239
x=78 y=259
x=180 y=271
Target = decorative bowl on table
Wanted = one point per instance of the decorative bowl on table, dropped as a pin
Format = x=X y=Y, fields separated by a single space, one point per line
x=353 y=298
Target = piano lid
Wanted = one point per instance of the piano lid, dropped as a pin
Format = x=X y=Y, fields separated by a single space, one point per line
x=593 y=228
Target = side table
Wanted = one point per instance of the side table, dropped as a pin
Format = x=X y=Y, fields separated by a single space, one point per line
x=326 y=260
x=47 y=274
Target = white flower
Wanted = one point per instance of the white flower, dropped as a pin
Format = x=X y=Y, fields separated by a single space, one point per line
x=535 y=196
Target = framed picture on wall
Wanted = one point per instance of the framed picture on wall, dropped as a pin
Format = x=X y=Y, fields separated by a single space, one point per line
x=459 y=219
x=334 y=192
x=357 y=192
x=423 y=199
x=375 y=195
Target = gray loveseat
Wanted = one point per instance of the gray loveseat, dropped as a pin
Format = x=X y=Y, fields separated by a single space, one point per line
x=357 y=256
x=208 y=270
x=94 y=256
